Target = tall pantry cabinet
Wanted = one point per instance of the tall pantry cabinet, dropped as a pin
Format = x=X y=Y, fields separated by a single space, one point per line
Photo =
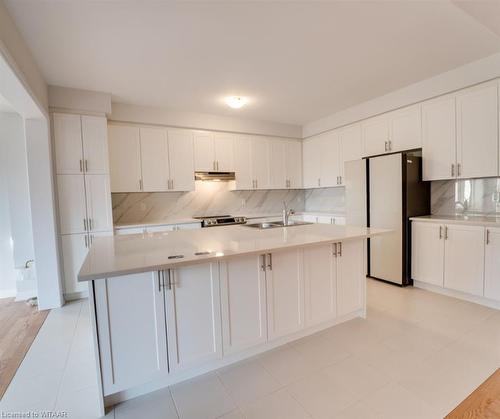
x=83 y=190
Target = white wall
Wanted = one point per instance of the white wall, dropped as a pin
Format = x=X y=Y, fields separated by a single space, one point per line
x=150 y=115
x=467 y=75
x=77 y=100
x=15 y=169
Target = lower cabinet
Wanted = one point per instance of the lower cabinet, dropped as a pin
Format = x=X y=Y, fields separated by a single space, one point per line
x=285 y=292
x=192 y=299
x=450 y=256
x=492 y=264
x=243 y=303
x=351 y=275
x=132 y=334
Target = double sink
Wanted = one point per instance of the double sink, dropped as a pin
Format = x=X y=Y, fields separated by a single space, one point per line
x=276 y=224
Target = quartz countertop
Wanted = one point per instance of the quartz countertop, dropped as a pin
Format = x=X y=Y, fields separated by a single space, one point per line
x=167 y=222
x=479 y=220
x=128 y=254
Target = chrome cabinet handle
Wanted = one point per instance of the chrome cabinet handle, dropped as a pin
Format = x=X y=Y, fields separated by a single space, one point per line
x=440 y=232
x=487 y=236
x=458 y=169
x=389 y=145
x=270 y=261
x=168 y=282
x=446 y=232
x=85 y=224
x=340 y=249
x=385 y=145
x=91 y=238
x=81 y=165
x=160 y=279
x=90 y=224
x=263 y=263
x=86 y=165
x=452 y=169
x=319 y=181
x=86 y=241
x=140 y=184
x=334 y=251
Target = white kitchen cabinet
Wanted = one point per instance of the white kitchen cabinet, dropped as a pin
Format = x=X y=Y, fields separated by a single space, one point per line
x=427 y=257
x=180 y=158
x=224 y=152
x=277 y=164
x=330 y=159
x=243 y=165
x=154 y=160
x=477 y=131
x=99 y=208
x=311 y=157
x=127 y=362
x=193 y=316
x=351 y=276
x=68 y=143
x=285 y=293
x=464 y=258
x=95 y=145
x=492 y=264
x=320 y=279
x=375 y=134
x=350 y=147
x=72 y=204
x=124 y=158
x=74 y=249
x=213 y=151
x=243 y=303
x=293 y=163
x=405 y=129
x=259 y=156
x=439 y=138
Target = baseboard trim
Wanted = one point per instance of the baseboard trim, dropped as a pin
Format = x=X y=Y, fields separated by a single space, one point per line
x=458 y=294
x=71 y=296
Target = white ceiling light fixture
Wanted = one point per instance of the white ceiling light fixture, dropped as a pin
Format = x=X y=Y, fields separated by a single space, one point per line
x=236 y=102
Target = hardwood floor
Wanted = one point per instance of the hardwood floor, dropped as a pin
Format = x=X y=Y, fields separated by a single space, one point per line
x=19 y=325
x=483 y=403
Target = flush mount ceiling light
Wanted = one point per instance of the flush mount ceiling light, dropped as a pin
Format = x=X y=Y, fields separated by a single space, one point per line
x=236 y=102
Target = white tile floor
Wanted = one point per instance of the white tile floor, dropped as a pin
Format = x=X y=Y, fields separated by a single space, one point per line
x=417 y=355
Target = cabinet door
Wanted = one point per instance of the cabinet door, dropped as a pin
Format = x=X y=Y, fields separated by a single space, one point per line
x=180 y=151
x=224 y=152
x=405 y=129
x=351 y=276
x=74 y=250
x=492 y=264
x=99 y=210
x=427 y=253
x=375 y=134
x=477 y=131
x=439 y=138
x=68 y=143
x=193 y=316
x=260 y=162
x=293 y=164
x=320 y=279
x=132 y=336
x=154 y=159
x=95 y=144
x=243 y=165
x=243 y=293
x=464 y=258
x=204 y=151
x=72 y=205
x=124 y=158
x=350 y=147
x=285 y=293
x=330 y=159
x=311 y=157
x=277 y=164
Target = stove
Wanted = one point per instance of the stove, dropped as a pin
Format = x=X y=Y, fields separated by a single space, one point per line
x=220 y=220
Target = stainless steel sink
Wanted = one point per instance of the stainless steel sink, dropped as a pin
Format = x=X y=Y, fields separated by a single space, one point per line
x=276 y=224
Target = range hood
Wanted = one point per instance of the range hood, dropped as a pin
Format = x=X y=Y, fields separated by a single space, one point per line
x=214 y=176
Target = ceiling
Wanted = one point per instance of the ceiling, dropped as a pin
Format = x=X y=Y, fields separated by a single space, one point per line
x=296 y=61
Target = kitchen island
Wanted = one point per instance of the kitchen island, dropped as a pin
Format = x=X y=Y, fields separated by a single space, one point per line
x=169 y=306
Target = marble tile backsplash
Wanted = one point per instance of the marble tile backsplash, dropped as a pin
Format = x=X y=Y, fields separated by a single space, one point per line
x=474 y=196
x=213 y=198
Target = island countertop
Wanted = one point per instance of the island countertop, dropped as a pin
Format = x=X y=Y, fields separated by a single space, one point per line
x=122 y=255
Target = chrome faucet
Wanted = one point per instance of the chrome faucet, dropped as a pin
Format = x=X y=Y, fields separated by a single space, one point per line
x=286 y=214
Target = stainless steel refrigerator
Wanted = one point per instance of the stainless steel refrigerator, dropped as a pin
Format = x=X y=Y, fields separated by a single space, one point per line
x=395 y=192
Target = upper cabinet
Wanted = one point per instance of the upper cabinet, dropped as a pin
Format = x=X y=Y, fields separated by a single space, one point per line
x=460 y=134
x=293 y=163
x=150 y=159
x=213 y=152
x=393 y=131
x=80 y=144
